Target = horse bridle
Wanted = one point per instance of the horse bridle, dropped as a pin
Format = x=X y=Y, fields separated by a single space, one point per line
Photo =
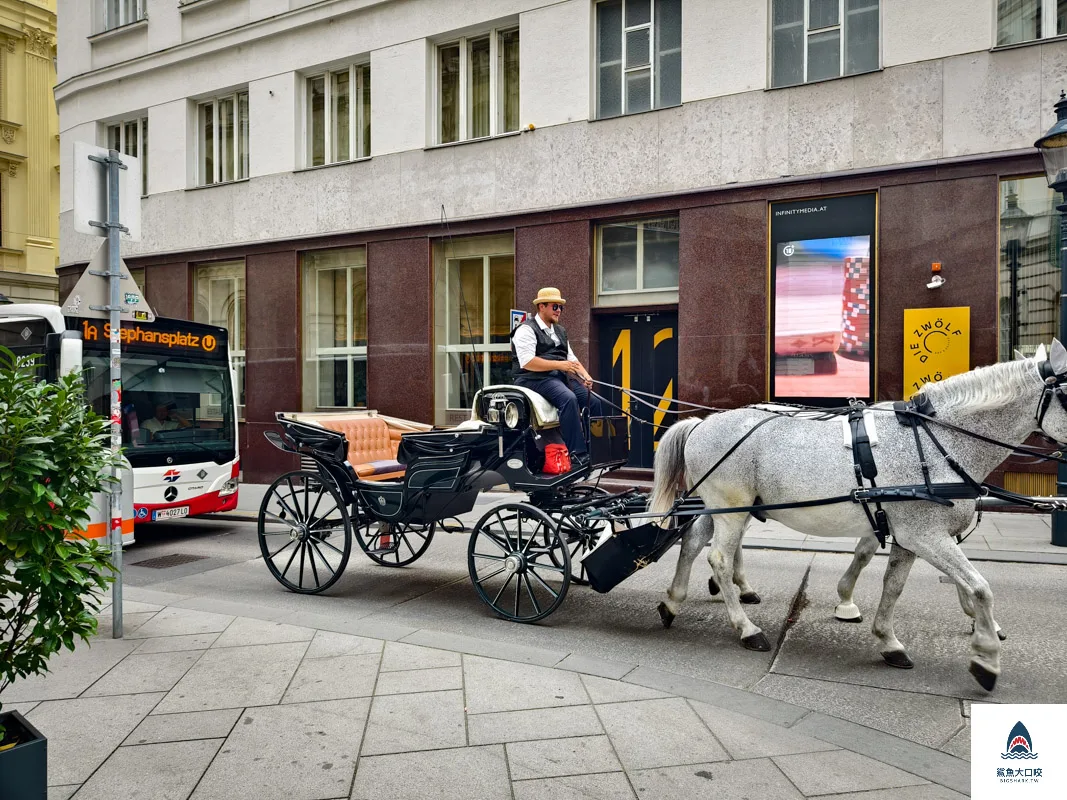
x=1053 y=386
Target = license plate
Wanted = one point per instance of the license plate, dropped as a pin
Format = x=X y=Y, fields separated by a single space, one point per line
x=171 y=513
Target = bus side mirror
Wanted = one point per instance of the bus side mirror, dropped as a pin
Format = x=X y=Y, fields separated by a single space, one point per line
x=70 y=355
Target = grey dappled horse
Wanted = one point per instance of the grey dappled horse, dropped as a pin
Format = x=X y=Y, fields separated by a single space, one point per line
x=792 y=459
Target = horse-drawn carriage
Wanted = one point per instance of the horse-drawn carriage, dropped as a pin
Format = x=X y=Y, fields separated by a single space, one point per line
x=522 y=557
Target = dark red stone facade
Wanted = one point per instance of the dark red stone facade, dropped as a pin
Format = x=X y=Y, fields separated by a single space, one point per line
x=946 y=213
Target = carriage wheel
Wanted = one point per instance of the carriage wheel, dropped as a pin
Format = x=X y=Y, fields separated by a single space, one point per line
x=581 y=534
x=393 y=544
x=305 y=534
x=518 y=562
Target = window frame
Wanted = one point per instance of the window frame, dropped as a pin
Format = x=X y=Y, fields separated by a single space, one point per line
x=1049 y=18
x=483 y=349
x=497 y=105
x=121 y=12
x=314 y=353
x=653 y=294
x=241 y=160
x=239 y=290
x=358 y=74
x=842 y=13
x=654 y=55
x=142 y=144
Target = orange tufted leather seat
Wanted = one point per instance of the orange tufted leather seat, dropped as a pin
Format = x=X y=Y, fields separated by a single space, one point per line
x=372 y=447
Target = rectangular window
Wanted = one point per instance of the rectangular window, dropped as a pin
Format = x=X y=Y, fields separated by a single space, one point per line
x=131 y=138
x=639 y=55
x=1027 y=20
x=219 y=290
x=222 y=139
x=475 y=295
x=822 y=276
x=1029 y=266
x=335 y=328
x=338 y=116
x=478 y=86
x=814 y=40
x=637 y=258
x=122 y=12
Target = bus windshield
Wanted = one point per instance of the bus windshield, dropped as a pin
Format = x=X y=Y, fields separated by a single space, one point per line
x=175 y=410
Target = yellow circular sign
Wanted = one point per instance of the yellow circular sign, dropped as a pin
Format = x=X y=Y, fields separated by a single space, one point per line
x=209 y=342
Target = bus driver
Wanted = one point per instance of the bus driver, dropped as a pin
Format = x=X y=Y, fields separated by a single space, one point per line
x=542 y=360
x=164 y=420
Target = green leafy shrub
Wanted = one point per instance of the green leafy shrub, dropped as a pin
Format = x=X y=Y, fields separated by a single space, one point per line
x=54 y=455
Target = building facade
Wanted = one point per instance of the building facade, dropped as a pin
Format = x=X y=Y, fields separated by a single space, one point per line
x=739 y=198
x=29 y=152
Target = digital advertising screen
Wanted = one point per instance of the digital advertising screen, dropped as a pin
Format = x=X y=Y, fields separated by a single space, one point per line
x=822 y=299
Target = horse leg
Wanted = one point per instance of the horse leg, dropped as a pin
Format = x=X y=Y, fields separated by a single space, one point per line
x=847 y=610
x=896 y=575
x=968 y=609
x=693 y=542
x=748 y=594
x=724 y=548
x=944 y=554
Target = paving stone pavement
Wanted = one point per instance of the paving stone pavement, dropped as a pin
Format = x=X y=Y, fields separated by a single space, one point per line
x=211 y=706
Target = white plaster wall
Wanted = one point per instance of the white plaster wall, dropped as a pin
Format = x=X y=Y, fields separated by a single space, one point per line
x=555 y=63
x=724 y=47
x=170 y=148
x=74 y=22
x=164 y=24
x=399 y=97
x=919 y=30
x=198 y=22
x=273 y=130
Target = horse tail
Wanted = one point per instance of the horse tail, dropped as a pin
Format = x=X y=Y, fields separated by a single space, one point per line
x=670 y=465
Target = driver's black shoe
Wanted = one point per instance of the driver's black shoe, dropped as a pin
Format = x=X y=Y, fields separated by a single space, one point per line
x=580 y=461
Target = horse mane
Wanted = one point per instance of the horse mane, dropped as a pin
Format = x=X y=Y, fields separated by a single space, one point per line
x=985 y=388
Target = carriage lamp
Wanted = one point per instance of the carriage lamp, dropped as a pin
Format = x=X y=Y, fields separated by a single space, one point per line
x=1053 y=147
x=511 y=415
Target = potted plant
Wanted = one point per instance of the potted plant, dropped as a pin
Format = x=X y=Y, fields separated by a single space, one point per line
x=54 y=456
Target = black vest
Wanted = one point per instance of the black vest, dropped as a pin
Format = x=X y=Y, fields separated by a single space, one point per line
x=546 y=349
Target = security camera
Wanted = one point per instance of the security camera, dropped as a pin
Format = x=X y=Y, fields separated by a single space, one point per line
x=936 y=282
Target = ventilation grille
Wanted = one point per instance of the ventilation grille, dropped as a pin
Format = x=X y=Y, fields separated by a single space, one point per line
x=163 y=562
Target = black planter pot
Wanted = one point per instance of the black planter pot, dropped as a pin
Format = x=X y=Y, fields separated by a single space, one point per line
x=24 y=767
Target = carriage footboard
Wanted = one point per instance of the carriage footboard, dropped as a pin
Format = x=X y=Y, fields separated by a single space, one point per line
x=622 y=554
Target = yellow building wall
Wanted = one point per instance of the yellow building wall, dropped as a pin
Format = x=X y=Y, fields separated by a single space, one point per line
x=29 y=151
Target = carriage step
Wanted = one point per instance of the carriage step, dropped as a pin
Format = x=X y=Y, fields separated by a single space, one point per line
x=384 y=551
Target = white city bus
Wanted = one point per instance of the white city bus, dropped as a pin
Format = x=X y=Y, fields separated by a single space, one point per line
x=179 y=414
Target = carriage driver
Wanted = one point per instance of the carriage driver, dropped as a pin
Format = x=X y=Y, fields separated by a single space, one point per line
x=542 y=360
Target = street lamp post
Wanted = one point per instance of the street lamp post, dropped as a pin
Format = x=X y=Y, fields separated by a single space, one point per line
x=1053 y=147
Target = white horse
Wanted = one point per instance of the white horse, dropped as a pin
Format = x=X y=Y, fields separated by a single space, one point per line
x=795 y=459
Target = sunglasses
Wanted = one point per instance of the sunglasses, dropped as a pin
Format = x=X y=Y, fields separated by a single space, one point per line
x=555 y=306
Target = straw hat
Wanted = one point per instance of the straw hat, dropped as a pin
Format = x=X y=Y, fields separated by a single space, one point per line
x=550 y=294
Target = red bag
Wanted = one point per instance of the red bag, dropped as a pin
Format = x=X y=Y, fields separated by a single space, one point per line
x=557 y=459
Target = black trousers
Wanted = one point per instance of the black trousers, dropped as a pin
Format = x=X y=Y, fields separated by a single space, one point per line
x=570 y=399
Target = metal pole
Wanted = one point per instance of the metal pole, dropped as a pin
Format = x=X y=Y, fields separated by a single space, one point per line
x=114 y=164
x=1059 y=518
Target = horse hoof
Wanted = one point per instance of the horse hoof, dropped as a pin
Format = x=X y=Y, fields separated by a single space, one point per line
x=713 y=587
x=1002 y=636
x=757 y=642
x=750 y=598
x=848 y=612
x=986 y=679
x=665 y=615
x=898 y=659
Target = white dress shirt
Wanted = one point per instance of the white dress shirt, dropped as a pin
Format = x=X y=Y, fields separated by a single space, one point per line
x=526 y=341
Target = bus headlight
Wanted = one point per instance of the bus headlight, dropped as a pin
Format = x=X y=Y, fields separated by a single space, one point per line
x=228 y=488
x=511 y=415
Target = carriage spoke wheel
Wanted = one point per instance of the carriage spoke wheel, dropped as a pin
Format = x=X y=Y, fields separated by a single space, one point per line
x=305 y=534
x=580 y=534
x=519 y=564
x=393 y=544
